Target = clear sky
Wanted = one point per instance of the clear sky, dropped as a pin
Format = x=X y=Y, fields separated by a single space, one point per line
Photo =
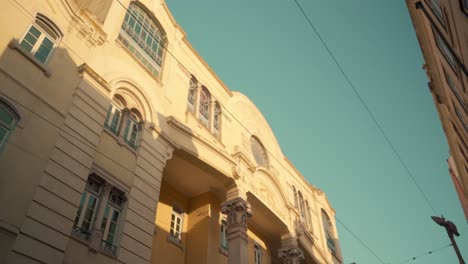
x=266 y=50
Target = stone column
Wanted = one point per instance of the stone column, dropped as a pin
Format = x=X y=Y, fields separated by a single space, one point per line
x=237 y=211
x=290 y=253
x=96 y=232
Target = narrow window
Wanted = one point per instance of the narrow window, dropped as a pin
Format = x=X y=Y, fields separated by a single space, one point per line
x=258 y=254
x=217 y=119
x=437 y=9
x=132 y=130
x=302 y=209
x=87 y=208
x=445 y=50
x=328 y=230
x=176 y=223
x=110 y=221
x=259 y=152
x=143 y=38
x=204 y=110
x=8 y=121
x=309 y=216
x=114 y=116
x=224 y=242
x=455 y=90
x=40 y=39
x=193 y=85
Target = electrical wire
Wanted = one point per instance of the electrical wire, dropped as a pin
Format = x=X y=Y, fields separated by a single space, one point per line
x=247 y=130
x=384 y=134
x=425 y=254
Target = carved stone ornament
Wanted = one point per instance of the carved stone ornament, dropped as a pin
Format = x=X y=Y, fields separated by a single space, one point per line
x=290 y=255
x=237 y=212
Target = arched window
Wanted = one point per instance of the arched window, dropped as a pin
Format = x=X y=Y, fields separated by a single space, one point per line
x=259 y=152
x=8 y=120
x=120 y=117
x=114 y=114
x=258 y=254
x=143 y=38
x=204 y=108
x=132 y=128
x=41 y=38
x=328 y=230
x=192 y=93
x=217 y=118
x=302 y=208
x=309 y=216
x=296 y=204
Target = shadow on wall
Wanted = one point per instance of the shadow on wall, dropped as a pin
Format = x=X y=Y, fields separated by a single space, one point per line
x=41 y=95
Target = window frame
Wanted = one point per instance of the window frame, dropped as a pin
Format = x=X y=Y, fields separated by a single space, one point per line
x=132 y=122
x=174 y=232
x=257 y=148
x=113 y=108
x=329 y=233
x=150 y=56
x=257 y=254
x=437 y=10
x=223 y=233
x=445 y=50
x=39 y=41
x=88 y=192
x=9 y=128
x=204 y=106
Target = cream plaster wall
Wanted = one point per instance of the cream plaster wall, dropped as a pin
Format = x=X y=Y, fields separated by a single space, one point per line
x=61 y=139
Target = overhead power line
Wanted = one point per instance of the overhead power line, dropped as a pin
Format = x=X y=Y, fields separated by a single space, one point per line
x=425 y=254
x=408 y=171
x=224 y=109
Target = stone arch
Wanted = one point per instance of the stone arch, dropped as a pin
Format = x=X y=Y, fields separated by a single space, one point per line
x=134 y=96
x=253 y=120
x=269 y=190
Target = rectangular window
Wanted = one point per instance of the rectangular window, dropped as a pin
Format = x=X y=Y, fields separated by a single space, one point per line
x=176 y=223
x=445 y=50
x=113 y=119
x=87 y=209
x=437 y=9
x=98 y=191
x=224 y=242
x=455 y=91
x=40 y=40
x=109 y=229
x=258 y=254
x=460 y=117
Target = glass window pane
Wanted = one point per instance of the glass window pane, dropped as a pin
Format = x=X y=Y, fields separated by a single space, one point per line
x=44 y=50
x=3 y=134
x=34 y=31
x=6 y=117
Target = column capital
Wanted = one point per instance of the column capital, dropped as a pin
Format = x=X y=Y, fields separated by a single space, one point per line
x=237 y=211
x=290 y=255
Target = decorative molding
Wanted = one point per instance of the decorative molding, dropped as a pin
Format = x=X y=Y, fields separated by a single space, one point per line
x=89 y=28
x=86 y=69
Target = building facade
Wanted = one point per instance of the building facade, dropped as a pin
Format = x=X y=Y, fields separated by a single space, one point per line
x=441 y=28
x=119 y=144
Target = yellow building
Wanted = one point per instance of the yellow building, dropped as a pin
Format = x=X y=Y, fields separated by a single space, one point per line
x=119 y=144
x=441 y=27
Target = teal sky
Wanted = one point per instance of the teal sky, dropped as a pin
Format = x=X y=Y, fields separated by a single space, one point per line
x=266 y=50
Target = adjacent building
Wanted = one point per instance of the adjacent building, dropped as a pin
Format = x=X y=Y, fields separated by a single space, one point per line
x=119 y=144
x=442 y=30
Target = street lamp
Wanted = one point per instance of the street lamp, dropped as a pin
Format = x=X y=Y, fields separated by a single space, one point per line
x=451 y=229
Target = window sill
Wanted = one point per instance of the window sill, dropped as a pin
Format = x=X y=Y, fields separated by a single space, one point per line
x=203 y=126
x=14 y=44
x=175 y=241
x=121 y=141
x=87 y=244
x=223 y=251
